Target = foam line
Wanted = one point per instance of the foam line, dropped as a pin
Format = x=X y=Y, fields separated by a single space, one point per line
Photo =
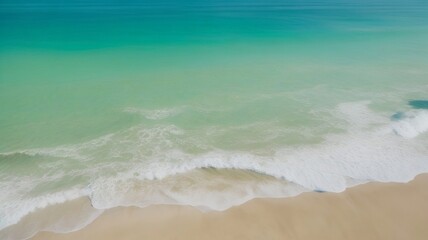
x=372 y=148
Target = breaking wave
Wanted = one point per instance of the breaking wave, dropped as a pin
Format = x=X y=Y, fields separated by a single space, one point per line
x=142 y=166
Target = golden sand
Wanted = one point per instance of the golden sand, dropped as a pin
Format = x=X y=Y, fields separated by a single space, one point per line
x=371 y=211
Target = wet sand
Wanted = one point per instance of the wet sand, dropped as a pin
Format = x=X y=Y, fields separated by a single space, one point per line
x=369 y=211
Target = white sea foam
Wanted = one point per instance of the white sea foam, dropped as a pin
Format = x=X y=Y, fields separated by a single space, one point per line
x=156 y=114
x=12 y=210
x=411 y=124
x=68 y=216
x=143 y=162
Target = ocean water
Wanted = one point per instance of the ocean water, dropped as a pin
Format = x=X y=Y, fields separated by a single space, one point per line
x=204 y=103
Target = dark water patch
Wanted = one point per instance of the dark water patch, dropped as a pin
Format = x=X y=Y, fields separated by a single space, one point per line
x=398 y=116
x=319 y=191
x=419 y=104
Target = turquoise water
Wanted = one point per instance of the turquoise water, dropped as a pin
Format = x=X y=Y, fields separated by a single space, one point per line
x=207 y=103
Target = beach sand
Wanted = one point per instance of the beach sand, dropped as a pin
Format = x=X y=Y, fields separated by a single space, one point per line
x=369 y=211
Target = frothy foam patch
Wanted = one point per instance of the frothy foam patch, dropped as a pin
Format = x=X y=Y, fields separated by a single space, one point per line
x=411 y=124
x=207 y=191
x=126 y=167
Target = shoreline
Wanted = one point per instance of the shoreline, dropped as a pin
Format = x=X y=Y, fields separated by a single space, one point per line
x=368 y=211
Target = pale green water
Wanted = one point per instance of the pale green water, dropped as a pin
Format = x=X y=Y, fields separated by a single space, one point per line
x=100 y=99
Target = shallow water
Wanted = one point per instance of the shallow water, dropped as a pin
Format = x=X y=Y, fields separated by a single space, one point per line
x=207 y=103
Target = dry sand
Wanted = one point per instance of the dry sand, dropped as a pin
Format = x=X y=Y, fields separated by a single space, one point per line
x=371 y=211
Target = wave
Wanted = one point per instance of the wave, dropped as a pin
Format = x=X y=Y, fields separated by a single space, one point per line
x=149 y=165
